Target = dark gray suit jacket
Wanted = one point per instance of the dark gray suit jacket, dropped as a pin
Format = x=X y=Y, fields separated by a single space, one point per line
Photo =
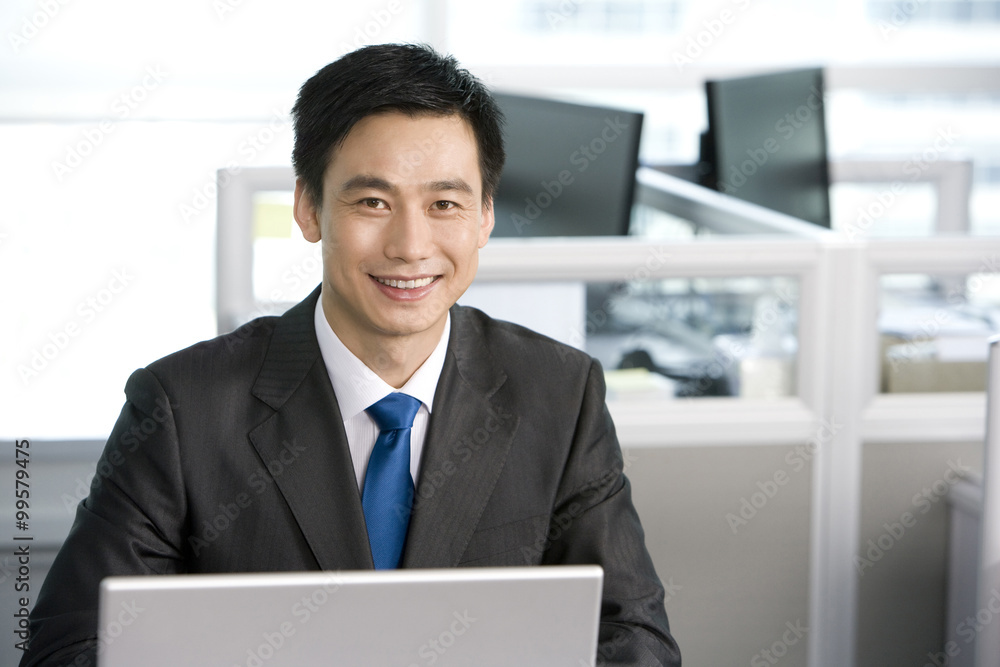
x=231 y=456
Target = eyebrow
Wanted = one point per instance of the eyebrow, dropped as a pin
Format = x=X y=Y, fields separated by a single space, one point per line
x=369 y=182
x=456 y=184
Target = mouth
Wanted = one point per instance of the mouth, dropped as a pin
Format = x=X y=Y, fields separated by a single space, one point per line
x=404 y=284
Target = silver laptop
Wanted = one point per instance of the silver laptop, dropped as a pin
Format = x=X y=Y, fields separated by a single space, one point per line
x=520 y=616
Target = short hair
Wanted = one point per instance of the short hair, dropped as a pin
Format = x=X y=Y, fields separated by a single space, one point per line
x=409 y=78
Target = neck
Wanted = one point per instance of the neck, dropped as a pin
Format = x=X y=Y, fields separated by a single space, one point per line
x=395 y=361
x=394 y=358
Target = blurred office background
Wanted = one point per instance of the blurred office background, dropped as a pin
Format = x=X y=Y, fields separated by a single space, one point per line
x=116 y=117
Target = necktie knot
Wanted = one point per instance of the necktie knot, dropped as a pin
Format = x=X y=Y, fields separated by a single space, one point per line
x=394 y=412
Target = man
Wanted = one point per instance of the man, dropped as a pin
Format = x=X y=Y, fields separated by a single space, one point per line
x=397 y=155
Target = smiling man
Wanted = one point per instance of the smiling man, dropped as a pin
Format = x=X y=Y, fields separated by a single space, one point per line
x=400 y=243
x=376 y=424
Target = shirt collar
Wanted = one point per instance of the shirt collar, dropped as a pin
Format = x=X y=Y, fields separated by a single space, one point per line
x=357 y=386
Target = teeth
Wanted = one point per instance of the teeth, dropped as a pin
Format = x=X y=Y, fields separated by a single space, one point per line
x=406 y=284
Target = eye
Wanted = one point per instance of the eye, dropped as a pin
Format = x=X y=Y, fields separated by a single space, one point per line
x=372 y=202
x=444 y=205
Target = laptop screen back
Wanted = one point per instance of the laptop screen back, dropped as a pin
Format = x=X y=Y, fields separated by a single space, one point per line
x=409 y=618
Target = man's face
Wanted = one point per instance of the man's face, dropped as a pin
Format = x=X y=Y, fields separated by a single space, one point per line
x=401 y=224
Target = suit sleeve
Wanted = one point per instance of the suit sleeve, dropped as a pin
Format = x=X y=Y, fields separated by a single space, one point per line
x=595 y=522
x=128 y=525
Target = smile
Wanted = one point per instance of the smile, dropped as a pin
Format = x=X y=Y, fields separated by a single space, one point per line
x=406 y=284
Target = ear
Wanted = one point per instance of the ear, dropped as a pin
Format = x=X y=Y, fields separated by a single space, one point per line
x=306 y=213
x=486 y=227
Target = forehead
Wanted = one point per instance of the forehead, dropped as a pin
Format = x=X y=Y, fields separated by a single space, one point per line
x=408 y=145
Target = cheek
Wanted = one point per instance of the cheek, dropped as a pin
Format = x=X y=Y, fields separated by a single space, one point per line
x=330 y=251
x=461 y=247
x=340 y=264
x=348 y=244
x=464 y=234
x=465 y=259
x=473 y=265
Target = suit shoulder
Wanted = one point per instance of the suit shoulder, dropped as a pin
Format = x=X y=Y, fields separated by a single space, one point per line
x=513 y=341
x=208 y=369
x=235 y=348
x=203 y=365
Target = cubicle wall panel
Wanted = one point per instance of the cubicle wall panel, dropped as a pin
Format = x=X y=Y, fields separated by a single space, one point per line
x=728 y=529
x=902 y=562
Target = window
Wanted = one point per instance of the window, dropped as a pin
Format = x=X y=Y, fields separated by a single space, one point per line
x=934 y=11
x=603 y=16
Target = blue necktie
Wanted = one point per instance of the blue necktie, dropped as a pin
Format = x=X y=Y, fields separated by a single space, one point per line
x=388 y=491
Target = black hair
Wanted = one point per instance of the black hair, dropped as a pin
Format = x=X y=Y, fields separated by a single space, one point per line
x=409 y=78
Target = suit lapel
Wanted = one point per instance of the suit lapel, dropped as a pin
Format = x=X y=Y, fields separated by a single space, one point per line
x=304 y=446
x=468 y=439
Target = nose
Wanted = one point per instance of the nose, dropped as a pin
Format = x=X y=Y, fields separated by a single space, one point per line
x=409 y=235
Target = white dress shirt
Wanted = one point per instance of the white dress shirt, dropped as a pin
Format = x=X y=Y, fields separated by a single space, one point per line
x=357 y=387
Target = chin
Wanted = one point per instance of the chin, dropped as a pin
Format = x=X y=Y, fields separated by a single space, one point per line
x=408 y=326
